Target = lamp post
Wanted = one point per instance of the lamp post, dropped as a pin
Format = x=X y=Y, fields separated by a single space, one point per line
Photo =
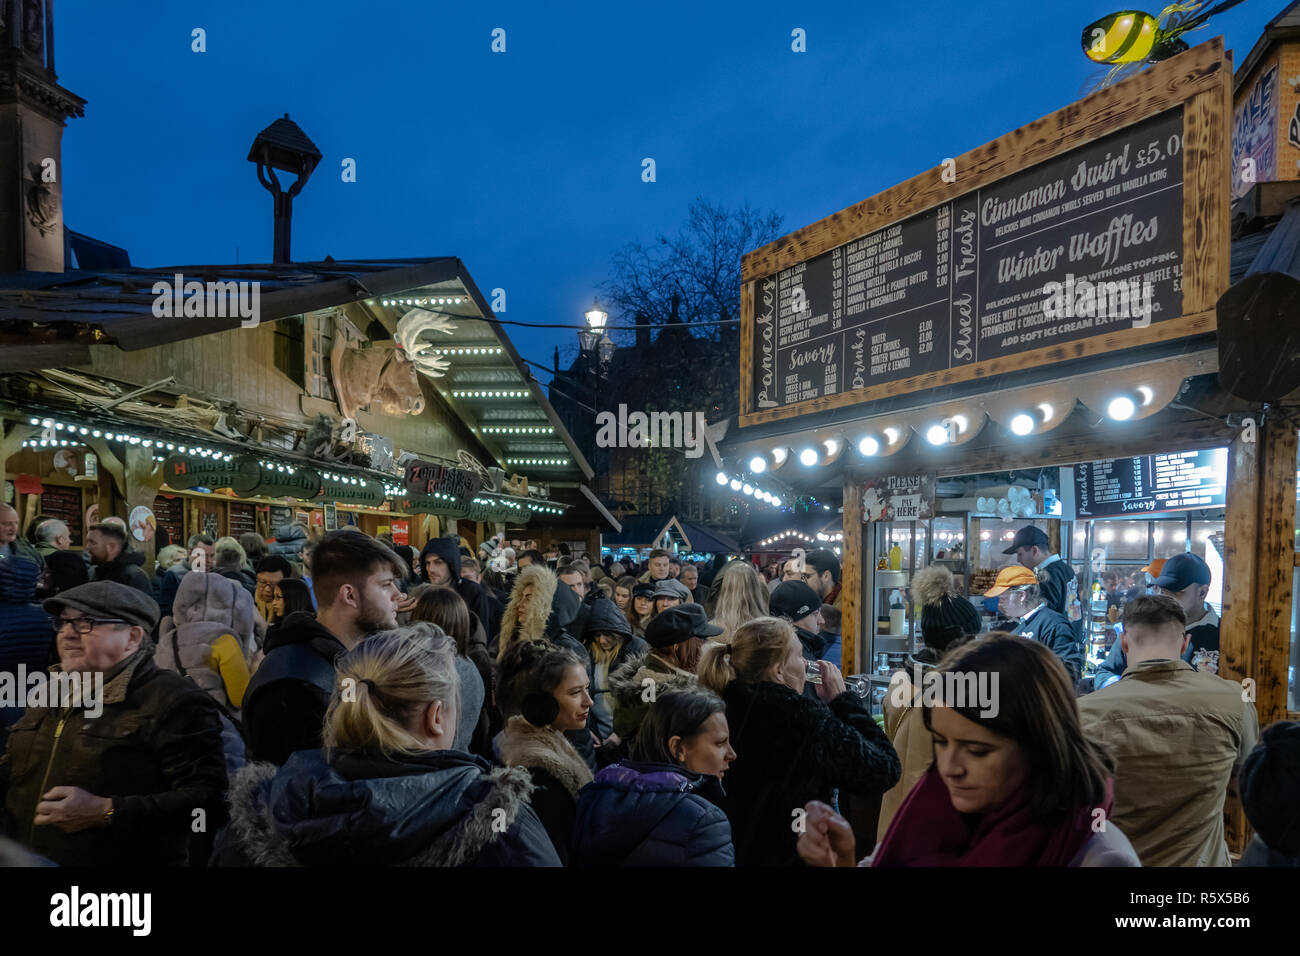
x=590 y=338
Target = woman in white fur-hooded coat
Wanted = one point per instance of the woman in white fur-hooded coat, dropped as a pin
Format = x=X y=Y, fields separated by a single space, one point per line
x=210 y=636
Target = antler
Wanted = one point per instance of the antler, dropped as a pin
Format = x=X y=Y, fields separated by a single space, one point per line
x=409 y=329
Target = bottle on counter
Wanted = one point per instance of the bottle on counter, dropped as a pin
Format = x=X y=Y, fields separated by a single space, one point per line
x=895 y=558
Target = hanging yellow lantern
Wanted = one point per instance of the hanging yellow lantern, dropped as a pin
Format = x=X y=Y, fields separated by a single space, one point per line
x=1124 y=37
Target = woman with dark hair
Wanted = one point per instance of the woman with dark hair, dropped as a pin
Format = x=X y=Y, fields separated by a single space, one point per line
x=947 y=620
x=662 y=808
x=388 y=788
x=1014 y=783
x=792 y=748
x=289 y=596
x=642 y=608
x=545 y=688
x=447 y=609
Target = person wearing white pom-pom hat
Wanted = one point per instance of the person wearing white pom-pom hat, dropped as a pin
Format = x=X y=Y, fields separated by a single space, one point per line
x=1056 y=579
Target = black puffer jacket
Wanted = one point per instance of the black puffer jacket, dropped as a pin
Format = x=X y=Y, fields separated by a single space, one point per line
x=650 y=814
x=284 y=706
x=431 y=809
x=789 y=750
x=155 y=749
x=124 y=569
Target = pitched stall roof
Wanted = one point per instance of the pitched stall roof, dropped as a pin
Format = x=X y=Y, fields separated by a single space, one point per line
x=53 y=319
x=645 y=531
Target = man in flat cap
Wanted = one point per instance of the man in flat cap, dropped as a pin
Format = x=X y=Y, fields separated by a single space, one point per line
x=132 y=771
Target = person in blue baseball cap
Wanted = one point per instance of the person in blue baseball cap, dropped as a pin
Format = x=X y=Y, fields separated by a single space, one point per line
x=1186 y=578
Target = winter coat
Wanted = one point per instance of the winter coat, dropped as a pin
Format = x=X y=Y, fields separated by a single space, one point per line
x=240 y=576
x=155 y=749
x=284 y=706
x=471 y=702
x=531 y=626
x=209 y=636
x=479 y=600
x=905 y=726
x=601 y=673
x=1178 y=737
x=628 y=686
x=124 y=570
x=26 y=637
x=791 y=749
x=557 y=772
x=1053 y=630
x=289 y=539
x=1259 y=853
x=649 y=814
x=439 y=808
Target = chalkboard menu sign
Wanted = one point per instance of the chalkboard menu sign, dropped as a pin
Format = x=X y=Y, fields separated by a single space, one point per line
x=1173 y=482
x=1084 y=244
x=169 y=512
x=64 y=503
x=243 y=518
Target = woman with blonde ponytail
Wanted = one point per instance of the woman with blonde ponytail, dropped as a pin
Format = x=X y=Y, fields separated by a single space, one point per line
x=387 y=789
x=788 y=745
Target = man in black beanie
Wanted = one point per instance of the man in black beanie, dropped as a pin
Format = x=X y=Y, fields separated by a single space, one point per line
x=799 y=604
x=1270 y=795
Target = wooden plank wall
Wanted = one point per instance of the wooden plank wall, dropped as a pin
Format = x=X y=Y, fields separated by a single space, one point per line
x=851 y=598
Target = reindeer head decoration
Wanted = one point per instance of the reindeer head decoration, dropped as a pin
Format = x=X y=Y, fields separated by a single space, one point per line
x=409 y=329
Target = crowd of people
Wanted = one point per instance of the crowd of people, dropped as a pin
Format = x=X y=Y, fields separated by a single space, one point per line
x=345 y=700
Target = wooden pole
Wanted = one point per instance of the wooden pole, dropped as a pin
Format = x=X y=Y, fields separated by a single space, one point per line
x=851 y=629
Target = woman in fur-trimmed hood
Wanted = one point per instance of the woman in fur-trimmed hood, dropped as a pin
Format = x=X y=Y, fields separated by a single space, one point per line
x=529 y=607
x=547 y=689
x=387 y=789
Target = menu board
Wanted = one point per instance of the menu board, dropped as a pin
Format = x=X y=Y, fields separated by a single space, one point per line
x=169 y=513
x=243 y=518
x=1173 y=482
x=64 y=503
x=1081 y=245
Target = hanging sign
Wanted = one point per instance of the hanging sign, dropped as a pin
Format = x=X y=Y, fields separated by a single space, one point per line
x=456 y=486
x=368 y=493
x=241 y=475
x=1100 y=228
x=302 y=483
x=898 y=498
x=428 y=504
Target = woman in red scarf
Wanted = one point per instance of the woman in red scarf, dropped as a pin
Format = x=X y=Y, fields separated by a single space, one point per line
x=1014 y=781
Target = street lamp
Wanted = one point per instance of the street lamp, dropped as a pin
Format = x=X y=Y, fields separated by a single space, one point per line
x=590 y=338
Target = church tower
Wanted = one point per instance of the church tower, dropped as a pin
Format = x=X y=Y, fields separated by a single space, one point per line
x=33 y=112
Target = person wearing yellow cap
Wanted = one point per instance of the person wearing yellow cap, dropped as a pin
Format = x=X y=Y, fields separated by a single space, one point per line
x=1020 y=597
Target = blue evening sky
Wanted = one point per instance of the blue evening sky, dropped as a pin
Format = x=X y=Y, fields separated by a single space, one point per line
x=527 y=164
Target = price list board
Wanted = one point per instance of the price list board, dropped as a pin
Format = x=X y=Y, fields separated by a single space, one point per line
x=169 y=513
x=1089 y=245
x=64 y=502
x=1181 y=481
x=243 y=518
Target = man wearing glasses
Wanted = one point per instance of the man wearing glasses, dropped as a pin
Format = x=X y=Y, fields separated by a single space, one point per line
x=129 y=777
